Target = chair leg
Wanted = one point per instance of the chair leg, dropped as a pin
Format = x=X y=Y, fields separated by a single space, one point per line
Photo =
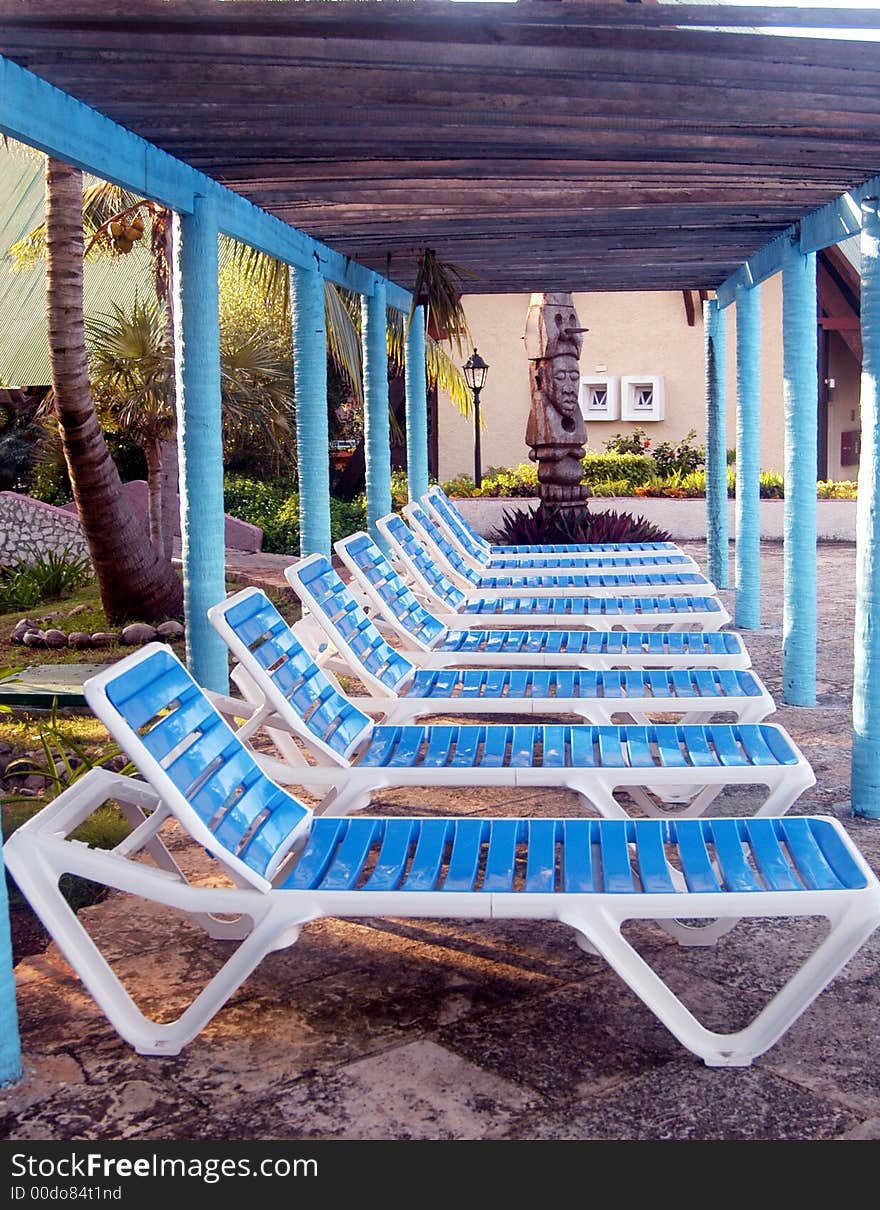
x=849 y=930
x=40 y=884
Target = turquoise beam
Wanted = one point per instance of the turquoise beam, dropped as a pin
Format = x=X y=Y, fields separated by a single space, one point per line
x=377 y=433
x=416 y=381
x=10 y=1041
x=197 y=367
x=717 y=527
x=800 y=392
x=310 y=391
x=866 y=672
x=747 y=519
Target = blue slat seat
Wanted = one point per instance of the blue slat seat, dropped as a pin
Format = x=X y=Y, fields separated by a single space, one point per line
x=688 y=762
x=600 y=611
x=277 y=868
x=577 y=583
x=431 y=644
x=612 y=556
x=400 y=692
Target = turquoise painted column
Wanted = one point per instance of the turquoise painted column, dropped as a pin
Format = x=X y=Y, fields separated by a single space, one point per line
x=800 y=389
x=377 y=433
x=866 y=678
x=416 y=407
x=747 y=522
x=197 y=368
x=10 y=1043
x=310 y=389
x=717 y=528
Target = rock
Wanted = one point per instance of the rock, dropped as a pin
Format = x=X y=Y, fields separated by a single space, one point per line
x=56 y=638
x=49 y=616
x=34 y=638
x=138 y=632
x=104 y=638
x=21 y=629
x=79 y=638
x=169 y=630
x=77 y=609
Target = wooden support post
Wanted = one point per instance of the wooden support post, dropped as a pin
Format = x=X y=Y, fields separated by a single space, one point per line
x=310 y=389
x=717 y=527
x=377 y=433
x=801 y=406
x=416 y=407
x=866 y=673
x=747 y=554
x=197 y=367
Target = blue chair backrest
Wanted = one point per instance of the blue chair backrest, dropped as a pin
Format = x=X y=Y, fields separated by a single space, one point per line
x=335 y=609
x=430 y=527
x=438 y=500
x=264 y=637
x=392 y=590
x=459 y=522
x=434 y=579
x=163 y=720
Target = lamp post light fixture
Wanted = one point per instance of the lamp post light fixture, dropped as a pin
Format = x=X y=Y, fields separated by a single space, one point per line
x=475 y=373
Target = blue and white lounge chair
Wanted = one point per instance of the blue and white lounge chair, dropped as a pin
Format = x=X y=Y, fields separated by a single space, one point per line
x=276 y=869
x=430 y=643
x=456 y=608
x=293 y=699
x=401 y=693
x=617 y=556
x=514 y=552
x=557 y=582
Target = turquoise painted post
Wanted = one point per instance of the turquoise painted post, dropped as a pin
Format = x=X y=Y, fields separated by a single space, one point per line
x=416 y=407
x=717 y=527
x=800 y=390
x=377 y=433
x=197 y=366
x=866 y=674
x=310 y=388
x=10 y=1042
x=747 y=523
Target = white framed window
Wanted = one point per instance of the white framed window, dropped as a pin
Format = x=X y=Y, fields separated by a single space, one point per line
x=600 y=397
x=641 y=397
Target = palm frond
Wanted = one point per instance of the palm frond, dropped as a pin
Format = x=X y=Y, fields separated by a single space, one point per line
x=342 y=311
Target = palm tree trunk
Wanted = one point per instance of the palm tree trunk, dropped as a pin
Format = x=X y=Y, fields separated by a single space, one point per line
x=132 y=579
x=153 y=453
x=170 y=496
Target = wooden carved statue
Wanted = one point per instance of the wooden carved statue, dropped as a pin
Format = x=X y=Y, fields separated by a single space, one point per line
x=556 y=431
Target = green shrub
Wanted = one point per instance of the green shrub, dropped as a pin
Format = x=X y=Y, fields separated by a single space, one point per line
x=636 y=442
x=845 y=489
x=634 y=468
x=255 y=500
x=49 y=576
x=612 y=487
x=771 y=486
x=574 y=525
x=682 y=459
x=517 y=482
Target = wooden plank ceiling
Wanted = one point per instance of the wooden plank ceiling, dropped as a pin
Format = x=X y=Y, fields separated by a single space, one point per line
x=548 y=144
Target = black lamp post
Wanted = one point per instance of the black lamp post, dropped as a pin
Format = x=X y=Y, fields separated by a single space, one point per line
x=475 y=373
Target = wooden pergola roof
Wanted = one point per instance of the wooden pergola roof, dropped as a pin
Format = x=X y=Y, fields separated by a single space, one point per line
x=548 y=144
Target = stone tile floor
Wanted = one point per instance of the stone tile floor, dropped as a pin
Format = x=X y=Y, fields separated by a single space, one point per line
x=390 y=1030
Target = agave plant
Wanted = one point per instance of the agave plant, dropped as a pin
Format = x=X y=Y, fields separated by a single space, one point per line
x=573 y=526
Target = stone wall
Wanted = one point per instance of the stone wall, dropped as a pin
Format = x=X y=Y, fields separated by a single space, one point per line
x=29 y=527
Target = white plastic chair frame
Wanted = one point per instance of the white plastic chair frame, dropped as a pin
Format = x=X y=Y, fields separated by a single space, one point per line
x=593 y=875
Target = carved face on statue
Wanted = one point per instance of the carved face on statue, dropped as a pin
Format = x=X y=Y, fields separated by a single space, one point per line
x=563 y=386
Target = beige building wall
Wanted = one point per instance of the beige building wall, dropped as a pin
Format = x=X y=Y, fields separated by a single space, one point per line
x=644 y=333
